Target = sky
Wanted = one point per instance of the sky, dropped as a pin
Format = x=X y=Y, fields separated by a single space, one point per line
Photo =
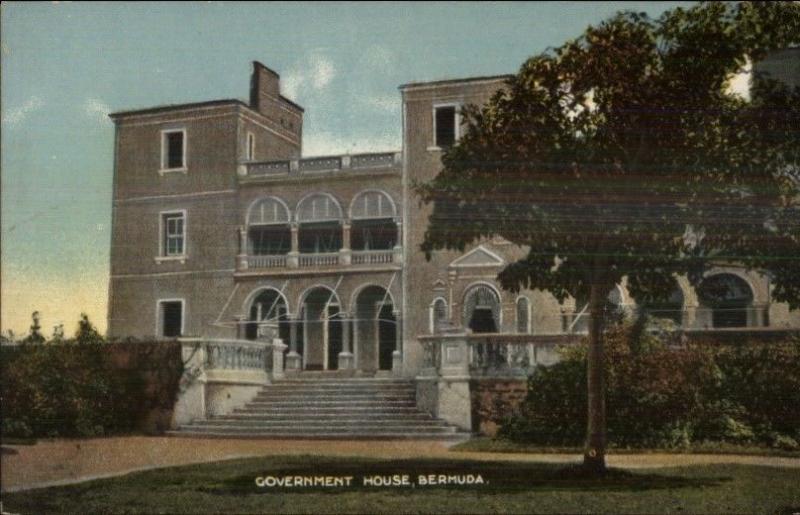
x=66 y=65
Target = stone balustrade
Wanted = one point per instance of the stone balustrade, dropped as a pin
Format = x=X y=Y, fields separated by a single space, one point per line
x=317 y=260
x=490 y=355
x=372 y=257
x=276 y=261
x=222 y=374
x=313 y=165
x=345 y=258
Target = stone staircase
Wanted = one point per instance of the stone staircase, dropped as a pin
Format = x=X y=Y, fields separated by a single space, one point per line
x=329 y=407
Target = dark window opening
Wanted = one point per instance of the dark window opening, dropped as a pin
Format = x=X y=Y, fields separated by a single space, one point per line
x=729 y=297
x=270 y=240
x=174 y=150
x=322 y=237
x=171 y=319
x=387 y=336
x=376 y=234
x=334 y=337
x=445 y=126
x=482 y=321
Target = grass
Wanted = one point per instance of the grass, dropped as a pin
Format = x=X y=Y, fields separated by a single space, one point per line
x=229 y=487
x=483 y=444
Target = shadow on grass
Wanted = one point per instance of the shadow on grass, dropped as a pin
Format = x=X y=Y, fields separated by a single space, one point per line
x=487 y=476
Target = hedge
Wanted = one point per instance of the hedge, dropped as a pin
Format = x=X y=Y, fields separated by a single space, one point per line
x=87 y=389
x=661 y=395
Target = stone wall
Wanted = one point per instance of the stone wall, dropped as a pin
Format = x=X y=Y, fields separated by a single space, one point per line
x=493 y=400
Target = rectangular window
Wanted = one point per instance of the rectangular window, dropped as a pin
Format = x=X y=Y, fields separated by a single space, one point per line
x=171 y=315
x=173 y=226
x=173 y=149
x=445 y=125
x=251 y=146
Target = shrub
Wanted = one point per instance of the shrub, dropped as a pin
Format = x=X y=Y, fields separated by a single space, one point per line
x=80 y=389
x=660 y=395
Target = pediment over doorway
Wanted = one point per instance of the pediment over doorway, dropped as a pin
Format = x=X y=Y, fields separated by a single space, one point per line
x=478 y=257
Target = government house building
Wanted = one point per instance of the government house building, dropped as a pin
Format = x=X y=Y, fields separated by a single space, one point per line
x=221 y=225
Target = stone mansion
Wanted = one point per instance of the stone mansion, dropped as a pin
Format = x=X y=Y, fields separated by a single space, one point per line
x=220 y=223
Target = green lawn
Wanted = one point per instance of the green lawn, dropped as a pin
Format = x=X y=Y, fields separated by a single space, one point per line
x=229 y=487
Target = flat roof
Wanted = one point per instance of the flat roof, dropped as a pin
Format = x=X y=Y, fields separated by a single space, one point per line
x=175 y=107
x=192 y=105
x=487 y=78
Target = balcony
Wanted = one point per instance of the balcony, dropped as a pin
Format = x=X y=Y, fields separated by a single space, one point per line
x=356 y=163
x=341 y=261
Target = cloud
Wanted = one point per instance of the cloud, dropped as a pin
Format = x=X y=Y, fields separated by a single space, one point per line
x=314 y=71
x=96 y=109
x=18 y=115
x=326 y=144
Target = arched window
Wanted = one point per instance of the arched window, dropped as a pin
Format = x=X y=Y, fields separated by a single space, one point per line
x=319 y=217
x=729 y=298
x=438 y=315
x=669 y=309
x=523 y=316
x=268 y=231
x=482 y=309
x=372 y=215
x=268 y=306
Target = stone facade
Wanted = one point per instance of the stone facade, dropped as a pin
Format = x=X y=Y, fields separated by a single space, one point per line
x=218 y=223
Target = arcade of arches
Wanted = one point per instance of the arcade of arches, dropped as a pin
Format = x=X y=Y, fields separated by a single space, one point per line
x=324 y=335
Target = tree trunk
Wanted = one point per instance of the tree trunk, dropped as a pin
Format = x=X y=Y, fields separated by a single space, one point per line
x=594 y=457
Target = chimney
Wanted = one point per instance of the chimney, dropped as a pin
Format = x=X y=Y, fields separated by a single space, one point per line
x=265 y=87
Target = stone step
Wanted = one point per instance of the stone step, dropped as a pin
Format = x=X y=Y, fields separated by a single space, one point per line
x=400 y=435
x=325 y=406
x=332 y=403
x=360 y=415
x=333 y=429
x=344 y=389
x=322 y=423
x=333 y=397
x=343 y=382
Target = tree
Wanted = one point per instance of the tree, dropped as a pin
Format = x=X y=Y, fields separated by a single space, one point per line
x=35 y=335
x=623 y=154
x=87 y=333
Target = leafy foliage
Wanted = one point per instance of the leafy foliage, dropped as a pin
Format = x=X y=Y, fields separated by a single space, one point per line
x=663 y=396
x=621 y=153
x=85 y=386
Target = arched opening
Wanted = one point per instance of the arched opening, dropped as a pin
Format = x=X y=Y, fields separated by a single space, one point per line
x=438 y=315
x=482 y=309
x=373 y=225
x=268 y=306
x=669 y=309
x=375 y=328
x=319 y=219
x=322 y=329
x=523 y=316
x=268 y=230
x=729 y=298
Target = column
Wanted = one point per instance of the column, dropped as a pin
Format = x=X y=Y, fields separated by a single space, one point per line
x=293 y=258
x=293 y=359
x=397 y=354
x=345 y=252
x=346 y=361
x=242 y=257
x=398 y=246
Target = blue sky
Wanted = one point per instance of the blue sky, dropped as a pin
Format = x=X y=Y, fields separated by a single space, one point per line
x=66 y=65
